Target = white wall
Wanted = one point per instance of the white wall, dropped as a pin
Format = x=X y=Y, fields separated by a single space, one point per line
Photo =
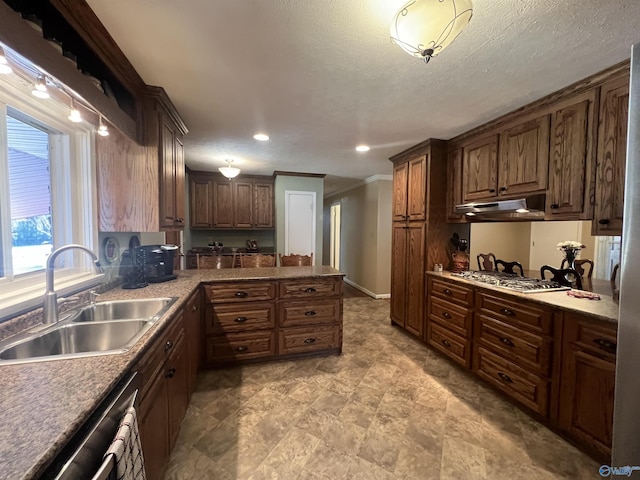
x=507 y=241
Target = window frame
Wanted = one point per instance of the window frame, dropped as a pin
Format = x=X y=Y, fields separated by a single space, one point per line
x=73 y=200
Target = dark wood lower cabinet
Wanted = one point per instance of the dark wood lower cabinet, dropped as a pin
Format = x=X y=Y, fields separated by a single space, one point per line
x=153 y=414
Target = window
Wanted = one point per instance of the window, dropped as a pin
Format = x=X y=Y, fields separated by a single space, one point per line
x=47 y=196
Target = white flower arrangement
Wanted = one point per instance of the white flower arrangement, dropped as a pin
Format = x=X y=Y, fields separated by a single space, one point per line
x=570 y=245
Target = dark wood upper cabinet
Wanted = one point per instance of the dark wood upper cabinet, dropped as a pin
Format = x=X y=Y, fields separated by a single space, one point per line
x=263 y=208
x=223 y=211
x=201 y=193
x=400 y=175
x=611 y=157
x=572 y=159
x=409 y=183
x=243 y=204
x=524 y=158
x=454 y=184
x=480 y=169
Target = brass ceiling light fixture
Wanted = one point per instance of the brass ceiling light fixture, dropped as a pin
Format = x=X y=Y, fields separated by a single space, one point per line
x=229 y=171
x=423 y=28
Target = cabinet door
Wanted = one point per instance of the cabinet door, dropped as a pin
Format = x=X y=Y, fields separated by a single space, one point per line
x=177 y=374
x=222 y=204
x=167 y=173
x=570 y=163
x=400 y=176
x=586 y=398
x=263 y=212
x=243 y=204
x=414 y=286
x=154 y=431
x=201 y=194
x=611 y=157
x=179 y=182
x=454 y=184
x=416 y=188
x=398 y=272
x=194 y=336
x=524 y=158
x=480 y=169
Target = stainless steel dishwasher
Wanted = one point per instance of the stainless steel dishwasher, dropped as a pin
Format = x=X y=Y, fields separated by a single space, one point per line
x=83 y=456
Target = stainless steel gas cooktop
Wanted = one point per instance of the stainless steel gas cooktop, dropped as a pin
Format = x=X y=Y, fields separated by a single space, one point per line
x=512 y=282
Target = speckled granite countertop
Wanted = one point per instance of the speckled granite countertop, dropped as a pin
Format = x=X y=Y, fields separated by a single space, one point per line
x=43 y=404
x=605 y=309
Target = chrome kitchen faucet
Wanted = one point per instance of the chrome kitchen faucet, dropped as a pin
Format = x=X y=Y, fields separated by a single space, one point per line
x=50 y=302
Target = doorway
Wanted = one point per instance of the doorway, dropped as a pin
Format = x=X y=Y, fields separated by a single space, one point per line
x=334 y=259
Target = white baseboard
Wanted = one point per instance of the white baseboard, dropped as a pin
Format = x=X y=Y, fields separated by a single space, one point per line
x=364 y=290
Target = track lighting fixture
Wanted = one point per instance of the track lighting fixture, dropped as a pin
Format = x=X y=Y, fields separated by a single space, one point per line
x=103 y=130
x=75 y=115
x=4 y=64
x=40 y=88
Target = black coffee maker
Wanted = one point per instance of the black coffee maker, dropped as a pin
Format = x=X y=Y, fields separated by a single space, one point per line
x=148 y=264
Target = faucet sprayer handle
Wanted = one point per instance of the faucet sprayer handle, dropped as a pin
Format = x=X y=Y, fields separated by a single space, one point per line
x=93 y=295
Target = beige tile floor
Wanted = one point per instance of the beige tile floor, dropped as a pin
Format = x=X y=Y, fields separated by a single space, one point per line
x=388 y=408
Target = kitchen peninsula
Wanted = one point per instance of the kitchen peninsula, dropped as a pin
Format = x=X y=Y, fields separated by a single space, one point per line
x=45 y=403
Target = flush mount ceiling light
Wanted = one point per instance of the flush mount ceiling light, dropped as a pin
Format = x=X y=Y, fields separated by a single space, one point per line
x=74 y=115
x=263 y=137
x=4 y=64
x=40 y=88
x=363 y=148
x=103 y=131
x=423 y=28
x=229 y=171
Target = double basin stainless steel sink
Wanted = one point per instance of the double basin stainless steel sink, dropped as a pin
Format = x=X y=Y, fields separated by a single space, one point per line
x=97 y=329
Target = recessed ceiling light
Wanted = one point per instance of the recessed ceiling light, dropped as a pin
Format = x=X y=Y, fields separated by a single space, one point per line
x=363 y=148
x=263 y=137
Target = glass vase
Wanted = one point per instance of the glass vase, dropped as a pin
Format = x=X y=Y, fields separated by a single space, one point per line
x=570 y=255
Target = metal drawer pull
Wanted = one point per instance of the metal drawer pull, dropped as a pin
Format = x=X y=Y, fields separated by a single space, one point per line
x=506 y=311
x=446 y=314
x=310 y=340
x=506 y=341
x=310 y=290
x=446 y=343
x=194 y=308
x=171 y=373
x=242 y=294
x=168 y=346
x=446 y=291
x=504 y=377
x=310 y=313
x=241 y=349
x=240 y=319
x=605 y=345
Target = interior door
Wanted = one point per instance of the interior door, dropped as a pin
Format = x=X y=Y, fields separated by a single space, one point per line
x=300 y=223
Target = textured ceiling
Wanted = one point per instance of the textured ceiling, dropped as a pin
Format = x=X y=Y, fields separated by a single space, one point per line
x=321 y=76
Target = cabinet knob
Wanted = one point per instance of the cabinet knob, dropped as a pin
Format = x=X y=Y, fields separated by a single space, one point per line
x=492 y=190
x=506 y=311
x=446 y=291
x=168 y=346
x=604 y=221
x=605 y=345
x=504 y=377
x=446 y=315
x=180 y=220
x=170 y=373
x=506 y=341
x=194 y=308
x=446 y=343
x=240 y=319
x=554 y=206
x=310 y=290
x=310 y=313
x=241 y=294
x=241 y=349
x=309 y=341
x=503 y=189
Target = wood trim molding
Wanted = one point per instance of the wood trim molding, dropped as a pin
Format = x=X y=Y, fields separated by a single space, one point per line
x=298 y=174
x=85 y=22
x=418 y=149
x=160 y=96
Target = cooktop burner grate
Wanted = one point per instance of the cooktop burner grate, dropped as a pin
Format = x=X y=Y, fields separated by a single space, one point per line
x=511 y=282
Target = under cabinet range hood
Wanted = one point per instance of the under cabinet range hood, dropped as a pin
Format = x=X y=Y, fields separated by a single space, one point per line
x=530 y=208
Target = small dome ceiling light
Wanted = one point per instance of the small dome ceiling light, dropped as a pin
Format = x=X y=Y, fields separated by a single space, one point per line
x=229 y=171
x=75 y=116
x=40 y=88
x=4 y=64
x=363 y=148
x=103 y=130
x=262 y=137
x=423 y=28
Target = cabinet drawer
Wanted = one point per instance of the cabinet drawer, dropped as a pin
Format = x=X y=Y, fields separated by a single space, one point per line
x=523 y=386
x=319 y=287
x=308 y=313
x=240 y=292
x=240 y=346
x=529 y=350
x=239 y=318
x=299 y=340
x=598 y=338
x=450 y=315
x=455 y=347
x=521 y=314
x=452 y=292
